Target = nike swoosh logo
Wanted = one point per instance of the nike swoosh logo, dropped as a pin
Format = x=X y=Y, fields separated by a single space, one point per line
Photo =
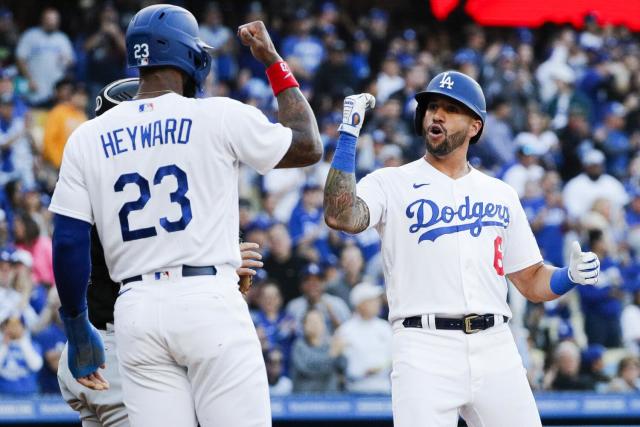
x=421 y=185
x=125 y=291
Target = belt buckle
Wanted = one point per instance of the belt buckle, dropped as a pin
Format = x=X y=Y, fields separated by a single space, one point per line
x=467 y=323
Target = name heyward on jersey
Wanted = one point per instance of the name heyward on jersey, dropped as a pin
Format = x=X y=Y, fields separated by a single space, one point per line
x=472 y=217
x=159 y=132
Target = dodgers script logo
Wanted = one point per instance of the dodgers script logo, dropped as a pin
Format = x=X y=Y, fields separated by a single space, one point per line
x=473 y=217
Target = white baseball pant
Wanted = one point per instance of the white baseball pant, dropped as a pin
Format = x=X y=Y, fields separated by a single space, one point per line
x=189 y=353
x=97 y=408
x=439 y=374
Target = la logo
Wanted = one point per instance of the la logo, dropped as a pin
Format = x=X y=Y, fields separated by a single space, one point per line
x=446 y=81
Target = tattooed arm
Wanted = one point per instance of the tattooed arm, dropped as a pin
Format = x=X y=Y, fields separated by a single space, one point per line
x=294 y=111
x=343 y=209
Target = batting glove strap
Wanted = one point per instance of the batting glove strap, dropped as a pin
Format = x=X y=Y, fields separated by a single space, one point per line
x=86 y=349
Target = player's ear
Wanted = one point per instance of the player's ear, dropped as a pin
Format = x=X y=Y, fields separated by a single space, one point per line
x=474 y=128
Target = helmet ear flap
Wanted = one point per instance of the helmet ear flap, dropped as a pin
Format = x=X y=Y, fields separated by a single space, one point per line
x=418 y=117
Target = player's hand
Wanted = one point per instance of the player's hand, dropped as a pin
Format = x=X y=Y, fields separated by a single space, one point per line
x=255 y=35
x=250 y=261
x=353 y=110
x=86 y=351
x=584 y=267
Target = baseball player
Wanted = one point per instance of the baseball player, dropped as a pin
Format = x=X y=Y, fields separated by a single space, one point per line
x=106 y=408
x=450 y=235
x=157 y=175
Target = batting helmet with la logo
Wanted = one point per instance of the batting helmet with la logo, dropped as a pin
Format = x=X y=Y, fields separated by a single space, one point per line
x=460 y=88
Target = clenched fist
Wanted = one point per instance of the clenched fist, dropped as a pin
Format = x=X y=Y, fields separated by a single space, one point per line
x=255 y=35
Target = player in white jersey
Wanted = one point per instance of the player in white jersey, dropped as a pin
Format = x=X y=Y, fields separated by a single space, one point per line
x=105 y=408
x=450 y=235
x=158 y=177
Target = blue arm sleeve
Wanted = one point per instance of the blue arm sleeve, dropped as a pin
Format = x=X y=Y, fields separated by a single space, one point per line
x=71 y=262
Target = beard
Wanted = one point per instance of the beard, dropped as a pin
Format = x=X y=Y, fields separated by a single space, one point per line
x=448 y=145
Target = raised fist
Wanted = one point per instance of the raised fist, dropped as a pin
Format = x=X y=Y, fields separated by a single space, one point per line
x=353 y=111
x=255 y=35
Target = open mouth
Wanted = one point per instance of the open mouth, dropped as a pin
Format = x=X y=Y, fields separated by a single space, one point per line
x=436 y=130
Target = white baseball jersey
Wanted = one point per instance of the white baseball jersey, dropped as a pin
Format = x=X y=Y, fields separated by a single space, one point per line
x=447 y=244
x=159 y=177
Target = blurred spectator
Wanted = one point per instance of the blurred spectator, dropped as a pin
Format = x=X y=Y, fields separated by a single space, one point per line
x=367 y=340
x=15 y=145
x=282 y=187
x=312 y=284
x=277 y=327
x=316 y=358
x=630 y=323
x=543 y=141
x=496 y=147
x=20 y=359
x=335 y=77
x=614 y=141
x=627 y=379
x=574 y=138
x=302 y=45
x=51 y=340
x=602 y=304
x=564 y=374
x=15 y=291
x=593 y=366
x=389 y=80
x=566 y=98
x=309 y=233
x=279 y=383
x=105 y=50
x=8 y=37
x=63 y=119
x=351 y=267
x=214 y=33
x=359 y=59
x=44 y=54
x=549 y=222
x=282 y=264
x=526 y=169
x=582 y=191
x=27 y=235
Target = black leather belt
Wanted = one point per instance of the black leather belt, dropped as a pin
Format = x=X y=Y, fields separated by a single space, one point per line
x=187 y=271
x=469 y=324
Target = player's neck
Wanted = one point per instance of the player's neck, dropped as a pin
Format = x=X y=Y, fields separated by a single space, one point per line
x=453 y=165
x=160 y=82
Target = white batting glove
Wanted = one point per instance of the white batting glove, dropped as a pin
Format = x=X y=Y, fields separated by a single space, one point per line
x=584 y=267
x=353 y=111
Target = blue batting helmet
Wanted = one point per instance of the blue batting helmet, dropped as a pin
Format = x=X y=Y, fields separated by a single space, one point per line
x=167 y=35
x=457 y=86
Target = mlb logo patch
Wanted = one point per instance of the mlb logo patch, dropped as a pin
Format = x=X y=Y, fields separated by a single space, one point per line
x=144 y=108
x=161 y=275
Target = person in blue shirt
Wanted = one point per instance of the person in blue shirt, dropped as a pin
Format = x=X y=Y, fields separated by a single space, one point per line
x=602 y=303
x=549 y=225
x=306 y=226
x=51 y=340
x=277 y=327
x=20 y=359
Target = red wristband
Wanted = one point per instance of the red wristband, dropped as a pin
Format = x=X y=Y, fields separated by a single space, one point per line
x=280 y=77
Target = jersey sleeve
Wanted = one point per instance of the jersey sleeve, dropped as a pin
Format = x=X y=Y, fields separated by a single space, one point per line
x=520 y=248
x=71 y=195
x=254 y=140
x=371 y=191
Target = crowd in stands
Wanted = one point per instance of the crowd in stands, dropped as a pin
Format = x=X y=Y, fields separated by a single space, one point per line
x=563 y=129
